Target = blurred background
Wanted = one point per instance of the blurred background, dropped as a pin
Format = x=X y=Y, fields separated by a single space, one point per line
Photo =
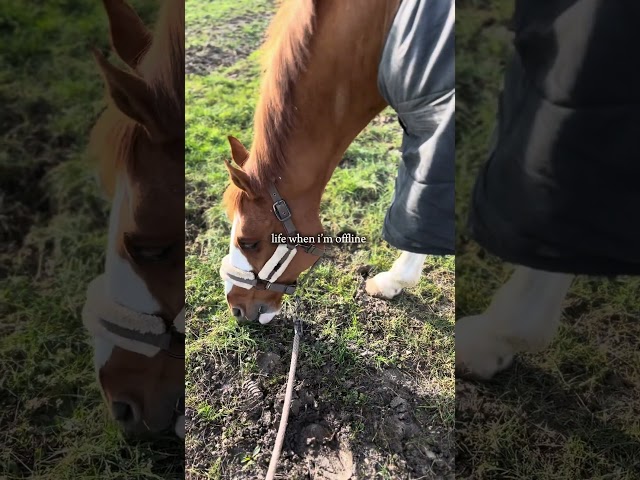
x=53 y=222
x=572 y=411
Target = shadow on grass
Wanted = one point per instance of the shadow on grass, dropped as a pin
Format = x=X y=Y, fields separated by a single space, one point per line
x=555 y=414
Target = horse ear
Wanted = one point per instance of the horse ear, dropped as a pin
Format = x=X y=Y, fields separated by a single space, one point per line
x=131 y=95
x=238 y=152
x=130 y=38
x=240 y=179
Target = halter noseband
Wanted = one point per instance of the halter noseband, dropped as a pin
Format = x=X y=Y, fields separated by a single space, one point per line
x=160 y=340
x=277 y=264
x=138 y=332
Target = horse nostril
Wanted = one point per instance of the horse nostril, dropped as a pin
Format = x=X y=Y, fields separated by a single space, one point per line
x=122 y=411
x=236 y=312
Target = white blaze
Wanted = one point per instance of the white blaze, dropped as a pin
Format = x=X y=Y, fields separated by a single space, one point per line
x=102 y=351
x=238 y=260
x=123 y=284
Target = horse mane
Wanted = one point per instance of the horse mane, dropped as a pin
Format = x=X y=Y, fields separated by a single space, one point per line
x=114 y=135
x=163 y=65
x=285 y=54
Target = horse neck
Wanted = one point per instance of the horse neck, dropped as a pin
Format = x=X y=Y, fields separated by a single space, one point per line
x=337 y=94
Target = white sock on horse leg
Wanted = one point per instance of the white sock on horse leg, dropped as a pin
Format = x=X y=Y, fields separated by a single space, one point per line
x=404 y=273
x=406 y=270
x=526 y=310
x=523 y=316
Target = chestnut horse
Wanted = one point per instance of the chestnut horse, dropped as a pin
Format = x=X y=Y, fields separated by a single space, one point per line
x=135 y=311
x=319 y=91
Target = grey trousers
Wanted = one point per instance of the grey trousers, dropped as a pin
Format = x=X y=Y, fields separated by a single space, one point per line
x=417 y=78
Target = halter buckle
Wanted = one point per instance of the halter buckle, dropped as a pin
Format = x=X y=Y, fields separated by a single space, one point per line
x=281 y=210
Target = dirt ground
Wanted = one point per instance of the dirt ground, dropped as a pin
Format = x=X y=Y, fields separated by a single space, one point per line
x=212 y=54
x=320 y=440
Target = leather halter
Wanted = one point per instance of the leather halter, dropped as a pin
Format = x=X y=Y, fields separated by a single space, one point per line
x=278 y=262
x=143 y=333
x=159 y=340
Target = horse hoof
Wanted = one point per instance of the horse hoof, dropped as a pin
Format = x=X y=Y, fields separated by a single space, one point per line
x=381 y=286
x=480 y=354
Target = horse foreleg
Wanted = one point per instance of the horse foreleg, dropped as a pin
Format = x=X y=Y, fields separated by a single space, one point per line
x=405 y=273
x=523 y=317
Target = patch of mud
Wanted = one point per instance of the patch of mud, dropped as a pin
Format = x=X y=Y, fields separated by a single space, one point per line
x=370 y=422
x=269 y=362
x=321 y=442
x=224 y=45
x=203 y=59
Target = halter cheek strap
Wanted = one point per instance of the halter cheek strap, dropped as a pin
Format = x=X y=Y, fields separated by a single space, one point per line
x=279 y=261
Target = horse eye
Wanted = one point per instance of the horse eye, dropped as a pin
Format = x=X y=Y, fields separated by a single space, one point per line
x=145 y=253
x=247 y=245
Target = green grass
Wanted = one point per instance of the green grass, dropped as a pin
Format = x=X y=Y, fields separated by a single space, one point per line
x=53 y=424
x=571 y=411
x=201 y=17
x=352 y=342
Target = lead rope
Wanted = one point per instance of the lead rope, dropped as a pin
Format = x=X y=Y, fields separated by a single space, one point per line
x=277 y=449
x=297 y=329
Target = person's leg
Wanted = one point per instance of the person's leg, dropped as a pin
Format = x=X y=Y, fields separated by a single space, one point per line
x=523 y=317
